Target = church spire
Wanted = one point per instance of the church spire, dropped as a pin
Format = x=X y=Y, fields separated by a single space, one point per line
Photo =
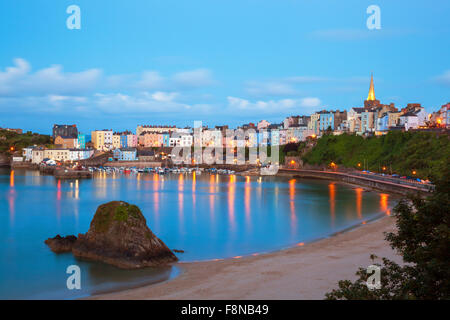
x=371 y=96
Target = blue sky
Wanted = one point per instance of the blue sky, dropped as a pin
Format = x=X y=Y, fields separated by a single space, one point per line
x=174 y=61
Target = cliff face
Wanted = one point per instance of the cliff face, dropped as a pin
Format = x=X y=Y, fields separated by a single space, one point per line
x=119 y=235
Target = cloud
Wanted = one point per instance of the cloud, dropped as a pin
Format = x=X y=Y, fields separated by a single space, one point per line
x=310 y=102
x=272 y=88
x=295 y=86
x=19 y=80
x=194 y=78
x=151 y=80
x=164 y=96
x=443 y=78
x=144 y=102
x=288 y=86
x=52 y=90
x=272 y=106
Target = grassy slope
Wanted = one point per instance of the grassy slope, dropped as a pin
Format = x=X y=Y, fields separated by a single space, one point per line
x=424 y=152
x=19 y=141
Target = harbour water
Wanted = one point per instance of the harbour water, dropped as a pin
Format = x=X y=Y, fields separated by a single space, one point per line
x=208 y=216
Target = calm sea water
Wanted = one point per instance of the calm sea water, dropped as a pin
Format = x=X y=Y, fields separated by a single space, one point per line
x=207 y=216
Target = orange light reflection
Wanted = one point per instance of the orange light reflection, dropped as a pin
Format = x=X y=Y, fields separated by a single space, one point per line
x=359 y=192
x=332 y=192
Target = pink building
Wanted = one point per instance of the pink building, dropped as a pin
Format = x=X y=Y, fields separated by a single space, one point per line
x=132 y=140
x=150 y=139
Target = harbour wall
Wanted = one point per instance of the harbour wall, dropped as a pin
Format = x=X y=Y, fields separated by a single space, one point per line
x=365 y=181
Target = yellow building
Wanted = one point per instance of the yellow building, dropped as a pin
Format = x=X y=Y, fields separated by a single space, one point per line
x=116 y=141
x=98 y=139
x=313 y=124
x=57 y=154
x=102 y=139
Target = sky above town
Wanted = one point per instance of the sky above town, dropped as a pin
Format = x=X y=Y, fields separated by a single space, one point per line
x=222 y=62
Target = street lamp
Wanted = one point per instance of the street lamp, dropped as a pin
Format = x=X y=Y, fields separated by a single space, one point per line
x=333 y=166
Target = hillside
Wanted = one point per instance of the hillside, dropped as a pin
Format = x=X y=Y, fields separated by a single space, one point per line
x=10 y=139
x=404 y=153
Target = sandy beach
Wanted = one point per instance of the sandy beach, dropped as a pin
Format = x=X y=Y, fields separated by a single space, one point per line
x=306 y=271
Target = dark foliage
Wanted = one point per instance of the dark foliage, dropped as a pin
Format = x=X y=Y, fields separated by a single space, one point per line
x=423 y=240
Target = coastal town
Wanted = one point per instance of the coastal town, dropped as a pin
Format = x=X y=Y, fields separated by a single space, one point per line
x=148 y=142
x=227 y=159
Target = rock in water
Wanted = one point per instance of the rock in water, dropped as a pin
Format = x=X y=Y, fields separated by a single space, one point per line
x=60 y=244
x=119 y=235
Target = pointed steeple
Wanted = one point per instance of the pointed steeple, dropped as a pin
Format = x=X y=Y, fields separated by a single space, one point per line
x=371 y=96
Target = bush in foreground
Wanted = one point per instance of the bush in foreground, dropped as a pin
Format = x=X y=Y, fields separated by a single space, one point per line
x=423 y=240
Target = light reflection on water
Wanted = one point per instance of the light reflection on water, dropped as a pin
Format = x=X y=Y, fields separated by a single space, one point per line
x=208 y=216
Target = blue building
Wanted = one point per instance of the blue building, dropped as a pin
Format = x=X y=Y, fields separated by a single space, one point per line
x=326 y=120
x=331 y=119
x=166 y=139
x=81 y=141
x=123 y=141
x=125 y=154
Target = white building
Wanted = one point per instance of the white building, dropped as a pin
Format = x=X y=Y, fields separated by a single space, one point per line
x=37 y=155
x=422 y=116
x=80 y=154
x=27 y=153
x=186 y=140
x=409 y=120
x=180 y=139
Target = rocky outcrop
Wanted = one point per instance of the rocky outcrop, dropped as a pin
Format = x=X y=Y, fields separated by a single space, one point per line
x=60 y=244
x=119 y=235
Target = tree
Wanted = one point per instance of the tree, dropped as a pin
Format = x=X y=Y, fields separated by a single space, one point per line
x=423 y=240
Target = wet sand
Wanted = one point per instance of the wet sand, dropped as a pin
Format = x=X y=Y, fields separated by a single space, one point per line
x=307 y=271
